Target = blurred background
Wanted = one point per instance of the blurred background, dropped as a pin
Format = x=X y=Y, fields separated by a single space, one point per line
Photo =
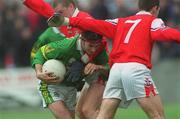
x=20 y=28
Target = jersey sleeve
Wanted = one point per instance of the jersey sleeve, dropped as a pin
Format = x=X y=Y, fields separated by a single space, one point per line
x=160 y=32
x=46 y=52
x=50 y=34
x=46 y=37
x=102 y=27
x=39 y=43
x=40 y=7
x=52 y=50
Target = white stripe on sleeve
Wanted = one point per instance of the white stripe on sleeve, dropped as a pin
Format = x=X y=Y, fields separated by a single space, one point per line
x=112 y=21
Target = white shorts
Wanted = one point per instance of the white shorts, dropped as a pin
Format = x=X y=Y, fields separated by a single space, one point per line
x=128 y=81
x=53 y=93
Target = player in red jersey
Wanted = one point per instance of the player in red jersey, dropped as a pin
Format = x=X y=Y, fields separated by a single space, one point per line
x=130 y=58
x=89 y=101
x=68 y=8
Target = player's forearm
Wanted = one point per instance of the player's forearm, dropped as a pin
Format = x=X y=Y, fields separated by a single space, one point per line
x=104 y=72
x=99 y=26
x=39 y=72
x=40 y=7
x=38 y=59
x=105 y=68
x=38 y=68
x=167 y=34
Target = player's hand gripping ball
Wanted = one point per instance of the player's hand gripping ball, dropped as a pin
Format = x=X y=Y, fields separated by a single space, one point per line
x=56 y=67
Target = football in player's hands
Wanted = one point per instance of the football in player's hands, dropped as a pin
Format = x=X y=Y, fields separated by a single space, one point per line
x=56 y=20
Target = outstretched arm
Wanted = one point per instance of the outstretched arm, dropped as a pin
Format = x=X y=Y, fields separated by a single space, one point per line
x=40 y=7
x=105 y=28
x=160 y=32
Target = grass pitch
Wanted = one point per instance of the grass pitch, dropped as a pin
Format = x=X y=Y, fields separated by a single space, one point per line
x=133 y=112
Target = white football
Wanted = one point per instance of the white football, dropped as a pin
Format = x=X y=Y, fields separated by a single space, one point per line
x=56 y=67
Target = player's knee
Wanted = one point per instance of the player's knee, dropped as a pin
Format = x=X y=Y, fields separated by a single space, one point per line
x=79 y=112
x=85 y=110
x=88 y=112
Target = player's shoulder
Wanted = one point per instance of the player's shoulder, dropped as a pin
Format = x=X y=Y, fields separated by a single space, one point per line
x=69 y=42
x=51 y=30
x=72 y=39
x=84 y=14
x=157 y=23
x=63 y=45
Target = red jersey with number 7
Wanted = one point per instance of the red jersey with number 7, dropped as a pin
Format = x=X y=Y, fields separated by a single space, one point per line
x=133 y=36
x=132 y=42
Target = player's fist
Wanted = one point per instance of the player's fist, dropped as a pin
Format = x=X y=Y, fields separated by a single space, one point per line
x=90 y=68
x=56 y=20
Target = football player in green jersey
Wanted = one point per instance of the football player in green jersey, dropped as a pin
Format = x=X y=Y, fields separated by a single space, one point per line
x=78 y=56
x=88 y=102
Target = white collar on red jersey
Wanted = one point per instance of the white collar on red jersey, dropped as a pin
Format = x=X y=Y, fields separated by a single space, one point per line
x=143 y=12
x=76 y=12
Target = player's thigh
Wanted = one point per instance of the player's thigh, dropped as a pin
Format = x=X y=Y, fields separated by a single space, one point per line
x=94 y=95
x=60 y=110
x=151 y=105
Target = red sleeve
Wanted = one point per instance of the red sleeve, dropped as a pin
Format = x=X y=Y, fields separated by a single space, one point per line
x=40 y=7
x=166 y=34
x=102 y=27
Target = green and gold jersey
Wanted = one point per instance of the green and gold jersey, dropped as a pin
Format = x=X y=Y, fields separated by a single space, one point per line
x=66 y=50
x=51 y=34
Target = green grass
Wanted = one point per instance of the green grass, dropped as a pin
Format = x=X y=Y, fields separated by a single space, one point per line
x=133 y=112
x=171 y=111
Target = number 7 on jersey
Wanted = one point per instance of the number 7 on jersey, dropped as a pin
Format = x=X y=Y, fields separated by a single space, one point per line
x=135 y=23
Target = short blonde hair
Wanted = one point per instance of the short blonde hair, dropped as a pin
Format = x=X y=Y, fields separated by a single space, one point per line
x=65 y=3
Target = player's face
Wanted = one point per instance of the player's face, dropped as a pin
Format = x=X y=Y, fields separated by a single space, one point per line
x=90 y=47
x=65 y=11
